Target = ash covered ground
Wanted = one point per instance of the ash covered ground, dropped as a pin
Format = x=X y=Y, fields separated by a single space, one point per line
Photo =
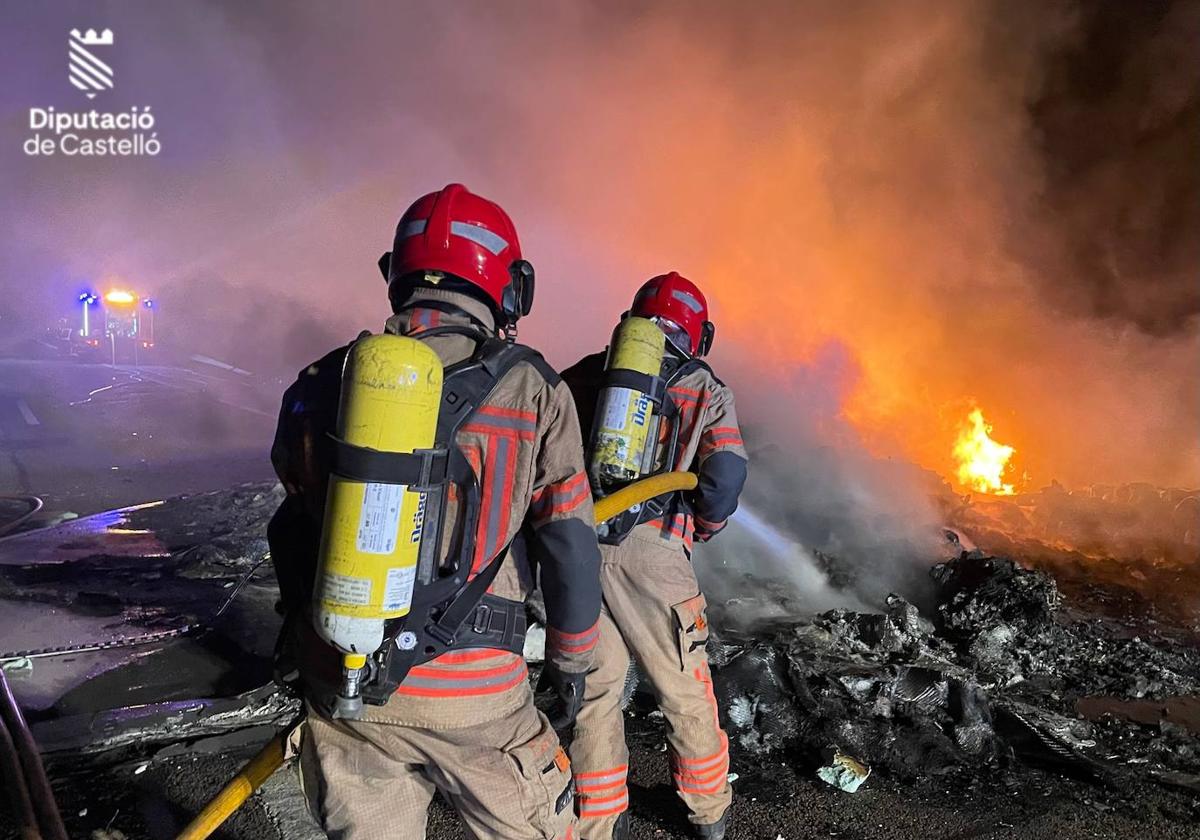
x=1036 y=696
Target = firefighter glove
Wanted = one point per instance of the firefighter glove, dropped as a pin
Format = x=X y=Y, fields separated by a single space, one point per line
x=706 y=530
x=568 y=689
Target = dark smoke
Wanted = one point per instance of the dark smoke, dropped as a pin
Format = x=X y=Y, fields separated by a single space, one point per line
x=1118 y=124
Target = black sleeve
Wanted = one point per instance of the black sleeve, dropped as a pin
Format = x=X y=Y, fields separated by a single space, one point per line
x=584 y=379
x=302 y=452
x=569 y=567
x=722 y=476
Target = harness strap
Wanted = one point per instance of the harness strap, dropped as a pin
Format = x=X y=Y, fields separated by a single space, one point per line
x=421 y=469
x=468 y=598
x=654 y=387
x=497 y=623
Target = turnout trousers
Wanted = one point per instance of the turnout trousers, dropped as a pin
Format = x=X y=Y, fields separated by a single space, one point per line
x=507 y=778
x=654 y=612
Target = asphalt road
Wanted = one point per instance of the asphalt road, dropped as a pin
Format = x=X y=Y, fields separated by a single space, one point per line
x=88 y=437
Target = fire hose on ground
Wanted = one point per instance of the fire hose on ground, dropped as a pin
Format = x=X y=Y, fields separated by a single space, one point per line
x=260 y=768
x=35 y=504
x=27 y=785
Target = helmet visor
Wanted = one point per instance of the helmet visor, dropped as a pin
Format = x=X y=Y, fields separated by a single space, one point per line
x=675 y=334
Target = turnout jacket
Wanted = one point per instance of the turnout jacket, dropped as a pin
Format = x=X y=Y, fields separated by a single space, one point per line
x=524 y=445
x=710 y=444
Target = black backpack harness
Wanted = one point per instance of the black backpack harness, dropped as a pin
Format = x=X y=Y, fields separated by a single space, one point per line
x=450 y=610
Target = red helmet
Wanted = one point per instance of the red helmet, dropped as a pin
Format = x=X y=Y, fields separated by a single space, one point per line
x=456 y=232
x=679 y=303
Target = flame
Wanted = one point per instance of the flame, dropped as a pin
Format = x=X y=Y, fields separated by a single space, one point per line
x=981 y=460
x=120 y=296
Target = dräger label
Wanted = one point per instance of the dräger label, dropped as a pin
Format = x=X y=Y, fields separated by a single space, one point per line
x=379 y=521
x=616 y=410
x=397 y=592
x=343 y=589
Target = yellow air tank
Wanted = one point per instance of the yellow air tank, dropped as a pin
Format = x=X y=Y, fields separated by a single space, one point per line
x=625 y=428
x=366 y=571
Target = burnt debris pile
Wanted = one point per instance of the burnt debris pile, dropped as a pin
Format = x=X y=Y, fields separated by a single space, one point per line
x=1113 y=549
x=1000 y=672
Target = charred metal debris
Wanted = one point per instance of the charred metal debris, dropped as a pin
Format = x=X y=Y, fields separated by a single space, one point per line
x=999 y=673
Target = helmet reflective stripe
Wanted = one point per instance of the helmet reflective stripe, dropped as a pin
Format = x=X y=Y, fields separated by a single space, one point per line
x=475 y=233
x=480 y=236
x=687 y=300
x=455 y=232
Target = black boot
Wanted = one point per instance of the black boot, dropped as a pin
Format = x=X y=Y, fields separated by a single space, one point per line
x=621 y=828
x=711 y=831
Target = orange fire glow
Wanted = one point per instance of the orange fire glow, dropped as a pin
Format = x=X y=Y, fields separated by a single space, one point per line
x=982 y=461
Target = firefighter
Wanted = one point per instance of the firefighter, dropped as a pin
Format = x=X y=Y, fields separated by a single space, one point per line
x=462 y=723
x=653 y=607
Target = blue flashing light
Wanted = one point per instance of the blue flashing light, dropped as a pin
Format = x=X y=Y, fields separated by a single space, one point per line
x=148 y=303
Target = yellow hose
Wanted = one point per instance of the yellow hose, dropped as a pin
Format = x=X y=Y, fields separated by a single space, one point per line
x=641 y=491
x=258 y=769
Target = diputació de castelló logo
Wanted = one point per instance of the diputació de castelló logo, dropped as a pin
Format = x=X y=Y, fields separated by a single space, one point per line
x=87 y=71
x=129 y=132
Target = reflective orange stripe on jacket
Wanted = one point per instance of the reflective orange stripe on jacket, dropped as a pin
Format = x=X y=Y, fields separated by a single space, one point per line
x=559 y=498
x=467 y=673
x=573 y=642
x=680 y=527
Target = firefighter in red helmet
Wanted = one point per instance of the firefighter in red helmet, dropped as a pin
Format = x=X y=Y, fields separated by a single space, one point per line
x=653 y=608
x=453 y=713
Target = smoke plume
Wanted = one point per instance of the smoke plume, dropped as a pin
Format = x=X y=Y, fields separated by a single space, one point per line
x=899 y=211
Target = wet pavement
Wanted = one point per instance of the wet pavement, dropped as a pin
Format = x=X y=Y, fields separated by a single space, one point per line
x=88 y=437
x=144 y=592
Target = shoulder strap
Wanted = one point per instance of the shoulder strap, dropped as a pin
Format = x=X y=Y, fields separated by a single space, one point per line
x=467 y=385
x=689 y=366
x=503 y=356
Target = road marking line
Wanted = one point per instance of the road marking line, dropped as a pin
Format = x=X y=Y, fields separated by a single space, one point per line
x=27 y=413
